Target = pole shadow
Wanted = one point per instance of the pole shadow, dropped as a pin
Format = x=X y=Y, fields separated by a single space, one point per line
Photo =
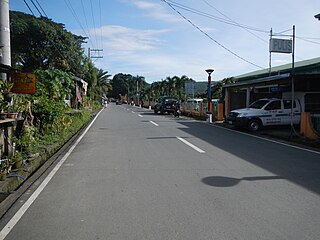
x=220 y=181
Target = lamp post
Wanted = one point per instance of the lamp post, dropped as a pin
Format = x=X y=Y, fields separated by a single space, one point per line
x=209 y=111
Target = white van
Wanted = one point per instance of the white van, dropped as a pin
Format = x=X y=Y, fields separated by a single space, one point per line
x=265 y=112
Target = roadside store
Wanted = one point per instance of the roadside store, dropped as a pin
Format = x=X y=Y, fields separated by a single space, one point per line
x=277 y=83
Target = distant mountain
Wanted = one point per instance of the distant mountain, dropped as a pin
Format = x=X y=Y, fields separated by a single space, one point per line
x=200 y=88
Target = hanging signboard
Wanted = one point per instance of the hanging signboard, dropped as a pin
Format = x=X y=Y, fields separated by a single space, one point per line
x=24 y=83
x=189 y=88
x=280 y=45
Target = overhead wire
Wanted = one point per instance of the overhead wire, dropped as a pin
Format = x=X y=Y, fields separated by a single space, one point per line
x=94 y=24
x=69 y=5
x=36 y=8
x=206 y=34
x=85 y=18
x=29 y=7
x=41 y=9
x=223 y=20
x=237 y=24
x=306 y=40
x=100 y=14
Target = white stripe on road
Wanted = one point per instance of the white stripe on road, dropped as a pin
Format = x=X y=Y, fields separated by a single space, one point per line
x=14 y=220
x=191 y=145
x=132 y=111
x=140 y=115
x=155 y=124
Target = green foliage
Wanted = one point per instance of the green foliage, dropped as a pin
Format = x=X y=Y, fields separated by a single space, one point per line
x=120 y=83
x=103 y=84
x=40 y=43
x=27 y=140
x=54 y=84
x=46 y=112
x=173 y=86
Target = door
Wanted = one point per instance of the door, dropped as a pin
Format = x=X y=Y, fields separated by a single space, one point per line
x=274 y=113
x=287 y=110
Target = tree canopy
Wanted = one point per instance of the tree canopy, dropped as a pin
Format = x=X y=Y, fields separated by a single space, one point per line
x=40 y=43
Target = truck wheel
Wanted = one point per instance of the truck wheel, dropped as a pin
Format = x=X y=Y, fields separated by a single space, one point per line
x=254 y=125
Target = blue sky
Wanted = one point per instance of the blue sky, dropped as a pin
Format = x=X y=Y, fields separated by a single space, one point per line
x=151 y=39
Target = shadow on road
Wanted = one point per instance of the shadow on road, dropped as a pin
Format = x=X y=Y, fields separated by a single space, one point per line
x=219 y=181
x=295 y=165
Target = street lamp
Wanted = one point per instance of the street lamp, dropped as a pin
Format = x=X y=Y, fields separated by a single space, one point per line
x=209 y=111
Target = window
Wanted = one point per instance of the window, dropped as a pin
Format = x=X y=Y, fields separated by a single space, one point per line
x=274 y=105
x=287 y=104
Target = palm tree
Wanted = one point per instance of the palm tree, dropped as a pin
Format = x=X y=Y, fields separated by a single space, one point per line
x=103 y=83
x=170 y=85
x=90 y=75
x=179 y=85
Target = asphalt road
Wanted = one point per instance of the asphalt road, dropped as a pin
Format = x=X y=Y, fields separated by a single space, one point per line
x=135 y=175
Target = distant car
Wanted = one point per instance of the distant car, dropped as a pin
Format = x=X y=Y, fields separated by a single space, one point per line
x=165 y=104
x=118 y=102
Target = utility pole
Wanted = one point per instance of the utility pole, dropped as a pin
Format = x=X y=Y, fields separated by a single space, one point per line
x=270 y=53
x=5 y=52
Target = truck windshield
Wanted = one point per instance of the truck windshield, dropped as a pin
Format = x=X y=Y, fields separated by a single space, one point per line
x=258 y=104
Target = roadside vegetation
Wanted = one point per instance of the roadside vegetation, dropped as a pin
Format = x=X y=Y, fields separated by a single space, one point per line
x=46 y=49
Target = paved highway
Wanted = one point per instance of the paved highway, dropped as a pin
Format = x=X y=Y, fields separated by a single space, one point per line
x=136 y=175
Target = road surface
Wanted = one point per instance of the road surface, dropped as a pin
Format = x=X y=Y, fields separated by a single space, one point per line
x=137 y=175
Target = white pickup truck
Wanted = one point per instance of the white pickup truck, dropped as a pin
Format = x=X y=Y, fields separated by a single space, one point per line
x=265 y=112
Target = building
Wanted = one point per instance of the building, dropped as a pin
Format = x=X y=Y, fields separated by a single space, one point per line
x=277 y=83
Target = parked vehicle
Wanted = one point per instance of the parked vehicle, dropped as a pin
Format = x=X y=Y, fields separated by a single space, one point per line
x=265 y=112
x=165 y=104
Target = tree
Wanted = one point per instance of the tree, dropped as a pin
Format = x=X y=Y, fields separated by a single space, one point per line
x=180 y=84
x=122 y=84
x=90 y=75
x=217 y=87
x=40 y=43
x=103 y=83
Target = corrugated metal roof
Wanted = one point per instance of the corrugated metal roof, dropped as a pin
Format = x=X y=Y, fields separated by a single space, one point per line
x=311 y=66
x=258 y=80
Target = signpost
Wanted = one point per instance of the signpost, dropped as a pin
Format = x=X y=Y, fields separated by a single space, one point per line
x=285 y=46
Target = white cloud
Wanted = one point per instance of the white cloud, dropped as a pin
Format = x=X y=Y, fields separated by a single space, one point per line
x=120 y=39
x=155 y=11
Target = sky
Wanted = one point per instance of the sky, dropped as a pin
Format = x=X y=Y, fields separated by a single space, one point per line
x=165 y=38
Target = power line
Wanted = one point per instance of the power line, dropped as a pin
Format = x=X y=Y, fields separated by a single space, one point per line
x=94 y=25
x=237 y=24
x=223 y=20
x=100 y=14
x=29 y=7
x=36 y=7
x=206 y=34
x=41 y=8
x=84 y=14
x=69 y=5
x=306 y=40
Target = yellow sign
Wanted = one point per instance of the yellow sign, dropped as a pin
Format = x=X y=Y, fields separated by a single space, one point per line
x=24 y=83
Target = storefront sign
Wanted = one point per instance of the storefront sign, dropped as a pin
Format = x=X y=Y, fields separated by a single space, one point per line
x=24 y=83
x=280 y=45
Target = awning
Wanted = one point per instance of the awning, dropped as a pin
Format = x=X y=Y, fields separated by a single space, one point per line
x=258 y=81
